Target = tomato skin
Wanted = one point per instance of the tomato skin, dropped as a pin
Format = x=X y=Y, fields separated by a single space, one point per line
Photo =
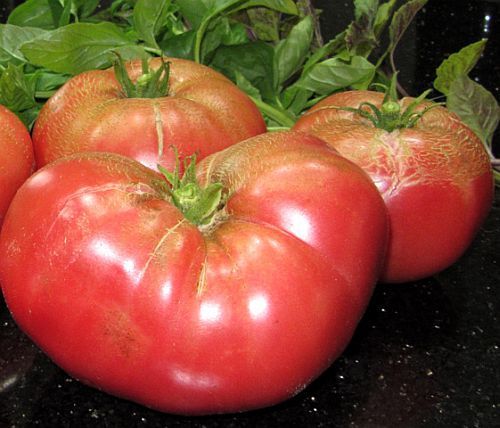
x=126 y=295
x=16 y=157
x=435 y=178
x=90 y=113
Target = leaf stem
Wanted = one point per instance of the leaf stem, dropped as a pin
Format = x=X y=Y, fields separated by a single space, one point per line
x=282 y=117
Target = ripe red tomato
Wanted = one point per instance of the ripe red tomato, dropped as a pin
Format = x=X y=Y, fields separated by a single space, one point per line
x=203 y=113
x=435 y=178
x=127 y=295
x=16 y=157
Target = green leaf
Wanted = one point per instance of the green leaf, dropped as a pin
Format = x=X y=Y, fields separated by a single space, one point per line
x=254 y=60
x=85 y=8
x=291 y=52
x=335 y=73
x=475 y=106
x=60 y=12
x=457 y=65
x=16 y=92
x=78 y=47
x=245 y=85
x=382 y=17
x=402 y=19
x=330 y=48
x=264 y=23
x=365 y=8
x=179 y=46
x=11 y=38
x=284 y=6
x=32 y=13
x=149 y=17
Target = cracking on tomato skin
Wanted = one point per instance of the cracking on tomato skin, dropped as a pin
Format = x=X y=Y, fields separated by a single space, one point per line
x=159 y=127
x=162 y=240
x=202 y=278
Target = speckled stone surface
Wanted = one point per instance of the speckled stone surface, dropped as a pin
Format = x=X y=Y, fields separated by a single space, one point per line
x=426 y=354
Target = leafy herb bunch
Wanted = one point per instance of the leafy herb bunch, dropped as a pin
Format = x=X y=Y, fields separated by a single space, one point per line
x=272 y=49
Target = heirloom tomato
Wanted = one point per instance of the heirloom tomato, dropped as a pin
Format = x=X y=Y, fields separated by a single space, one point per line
x=192 y=107
x=16 y=157
x=225 y=292
x=433 y=173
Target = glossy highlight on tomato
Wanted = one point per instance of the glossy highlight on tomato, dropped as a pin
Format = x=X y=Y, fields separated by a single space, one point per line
x=240 y=313
x=203 y=112
x=435 y=178
x=16 y=157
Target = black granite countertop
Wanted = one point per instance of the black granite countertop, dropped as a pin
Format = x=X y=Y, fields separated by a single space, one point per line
x=426 y=354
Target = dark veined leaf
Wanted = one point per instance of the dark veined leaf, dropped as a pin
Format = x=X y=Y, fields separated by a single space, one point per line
x=32 y=13
x=264 y=23
x=458 y=64
x=79 y=47
x=475 y=106
x=11 y=38
x=336 y=73
x=402 y=19
x=291 y=52
x=365 y=8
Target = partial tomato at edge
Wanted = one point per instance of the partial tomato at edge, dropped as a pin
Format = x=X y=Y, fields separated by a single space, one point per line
x=16 y=157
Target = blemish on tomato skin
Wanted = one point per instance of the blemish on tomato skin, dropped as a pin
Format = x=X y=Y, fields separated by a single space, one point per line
x=119 y=332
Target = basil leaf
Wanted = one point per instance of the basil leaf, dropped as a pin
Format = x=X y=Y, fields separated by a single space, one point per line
x=264 y=24
x=284 y=6
x=335 y=73
x=458 y=64
x=85 y=8
x=179 y=46
x=16 y=91
x=382 y=18
x=366 y=8
x=244 y=84
x=78 y=47
x=149 y=17
x=253 y=60
x=11 y=38
x=475 y=105
x=32 y=13
x=291 y=52
x=402 y=19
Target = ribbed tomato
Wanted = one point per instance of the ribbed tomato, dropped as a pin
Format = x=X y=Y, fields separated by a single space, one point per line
x=434 y=176
x=232 y=310
x=201 y=112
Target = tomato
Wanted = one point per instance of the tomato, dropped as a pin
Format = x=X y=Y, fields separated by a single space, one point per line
x=435 y=178
x=202 y=113
x=16 y=157
x=236 y=313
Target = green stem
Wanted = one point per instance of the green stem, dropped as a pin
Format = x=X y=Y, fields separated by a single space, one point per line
x=282 y=117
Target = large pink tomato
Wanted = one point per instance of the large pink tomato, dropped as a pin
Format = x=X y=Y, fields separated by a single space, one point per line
x=435 y=177
x=199 y=111
x=237 y=308
x=16 y=157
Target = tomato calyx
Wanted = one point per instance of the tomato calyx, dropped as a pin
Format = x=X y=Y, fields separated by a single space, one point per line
x=198 y=204
x=390 y=116
x=150 y=84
